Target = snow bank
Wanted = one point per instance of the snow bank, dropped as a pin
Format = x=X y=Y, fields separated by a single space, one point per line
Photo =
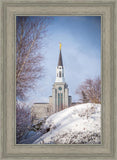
x=75 y=125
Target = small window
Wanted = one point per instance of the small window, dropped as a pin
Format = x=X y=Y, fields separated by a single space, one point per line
x=59 y=74
x=47 y=109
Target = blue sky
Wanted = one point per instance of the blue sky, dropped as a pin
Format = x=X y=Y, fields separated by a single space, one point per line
x=81 y=51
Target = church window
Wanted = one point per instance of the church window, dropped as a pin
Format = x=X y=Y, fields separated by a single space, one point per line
x=60 y=101
x=59 y=74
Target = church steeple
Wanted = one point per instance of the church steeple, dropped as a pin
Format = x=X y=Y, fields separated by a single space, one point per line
x=60 y=91
x=60 y=68
x=60 y=61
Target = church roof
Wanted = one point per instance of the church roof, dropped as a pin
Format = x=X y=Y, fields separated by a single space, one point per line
x=60 y=61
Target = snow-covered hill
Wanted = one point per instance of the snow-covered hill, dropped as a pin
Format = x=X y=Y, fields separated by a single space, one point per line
x=75 y=125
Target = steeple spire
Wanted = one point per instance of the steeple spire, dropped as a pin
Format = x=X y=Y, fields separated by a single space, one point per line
x=60 y=68
x=60 y=61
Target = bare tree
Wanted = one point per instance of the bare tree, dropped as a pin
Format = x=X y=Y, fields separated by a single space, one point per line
x=23 y=120
x=30 y=34
x=90 y=91
x=84 y=97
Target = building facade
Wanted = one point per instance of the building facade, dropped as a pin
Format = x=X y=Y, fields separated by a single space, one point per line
x=60 y=98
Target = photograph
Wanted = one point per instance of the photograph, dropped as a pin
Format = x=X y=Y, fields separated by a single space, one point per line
x=58 y=80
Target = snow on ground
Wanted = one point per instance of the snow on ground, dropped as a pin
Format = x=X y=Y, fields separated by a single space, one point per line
x=78 y=124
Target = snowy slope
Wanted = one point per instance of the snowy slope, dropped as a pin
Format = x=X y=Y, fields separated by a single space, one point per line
x=75 y=125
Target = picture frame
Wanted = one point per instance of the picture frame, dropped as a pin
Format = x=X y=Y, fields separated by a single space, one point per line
x=107 y=10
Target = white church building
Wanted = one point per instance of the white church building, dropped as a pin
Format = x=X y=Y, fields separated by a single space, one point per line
x=60 y=98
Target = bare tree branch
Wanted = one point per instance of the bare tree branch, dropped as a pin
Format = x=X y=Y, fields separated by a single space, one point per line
x=90 y=91
x=30 y=34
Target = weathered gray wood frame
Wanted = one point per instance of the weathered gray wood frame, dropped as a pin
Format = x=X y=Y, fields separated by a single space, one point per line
x=107 y=9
